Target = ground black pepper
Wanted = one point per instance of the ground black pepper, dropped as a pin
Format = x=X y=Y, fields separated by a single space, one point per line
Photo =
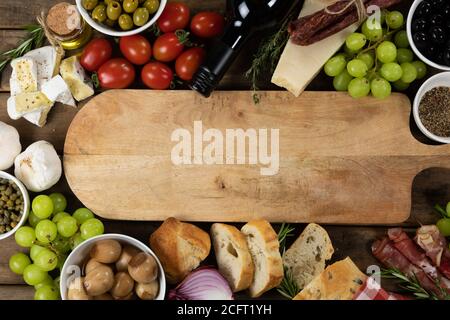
x=434 y=111
x=11 y=205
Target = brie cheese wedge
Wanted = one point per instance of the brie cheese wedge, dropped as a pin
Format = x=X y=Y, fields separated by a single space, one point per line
x=73 y=73
x=24 y=77
x=57 y=90
x=30 y=101
x=47 y=61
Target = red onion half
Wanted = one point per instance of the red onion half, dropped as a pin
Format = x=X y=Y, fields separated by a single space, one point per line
x=205 y=283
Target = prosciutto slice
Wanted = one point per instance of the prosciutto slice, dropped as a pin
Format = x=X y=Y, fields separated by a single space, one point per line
x=435 y=246
x=385 y=251
x=403 y=243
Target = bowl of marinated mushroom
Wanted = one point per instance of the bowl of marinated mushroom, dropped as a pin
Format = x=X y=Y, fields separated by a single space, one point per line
x=112 y=267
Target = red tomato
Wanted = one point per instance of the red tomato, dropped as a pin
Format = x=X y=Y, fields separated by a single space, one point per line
x=157 y=75
x=174 y=16
x=116 y=73
x=96 y=53
x=167 y=47
x=136 y=49
x=207 y=24
x=188 y=62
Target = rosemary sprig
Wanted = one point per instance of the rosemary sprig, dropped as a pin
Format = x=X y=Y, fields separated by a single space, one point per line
x=34 y=39
x=288 y=288
x=267 y=56
x=285 y=232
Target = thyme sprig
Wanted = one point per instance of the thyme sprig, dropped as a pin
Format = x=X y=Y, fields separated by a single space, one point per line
x=288 y=288
x=34 y=39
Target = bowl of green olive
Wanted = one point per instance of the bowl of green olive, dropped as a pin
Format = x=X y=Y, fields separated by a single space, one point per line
x=14 y=204
x=120 y=18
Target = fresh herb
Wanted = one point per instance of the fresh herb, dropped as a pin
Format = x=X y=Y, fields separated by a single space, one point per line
x=441 y=211
x=267 y=56
x=288 y=288
x=413 y=286
x=285 y=232
x=34 y=39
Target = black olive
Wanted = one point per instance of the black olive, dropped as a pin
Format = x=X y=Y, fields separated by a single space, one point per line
x=436 y=4
x=439 y=57
x=419 y=24
x=436 y=20
x=423 y=9
x=446 y=11
x=437 y=35
x=432 y=51
x=447 y=56
x=420 y=39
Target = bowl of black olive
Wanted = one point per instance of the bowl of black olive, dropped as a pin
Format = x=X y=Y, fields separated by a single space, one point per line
x=14 y=204
x=428 y=29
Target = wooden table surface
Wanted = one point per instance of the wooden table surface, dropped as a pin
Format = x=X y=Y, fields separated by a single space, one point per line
x=429 y=187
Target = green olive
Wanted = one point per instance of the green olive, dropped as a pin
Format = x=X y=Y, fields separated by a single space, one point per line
x=151 y=5
x=99 y=13
x=110 y=23
x=89 y=4
x=140 y=16
x=129 y=6
x=109 y=1
x=141 y=1
x=125 y=22
x=114 y=10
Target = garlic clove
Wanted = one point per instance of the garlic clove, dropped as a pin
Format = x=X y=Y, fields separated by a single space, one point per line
x=9 y=145
x=38 y=167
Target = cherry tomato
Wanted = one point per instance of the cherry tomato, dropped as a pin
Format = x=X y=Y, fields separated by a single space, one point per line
x=174 y=16
x=136 y=49
x=188 y=62
x=167 y=47
x=116 y=73
x=96 y=53
x=157 y=75
x=207 y=24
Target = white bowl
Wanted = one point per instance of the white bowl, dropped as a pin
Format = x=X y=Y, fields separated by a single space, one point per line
x=439 y=80
x=116 y=33
x=72 y=266
x=413 y=45
x=26 y=203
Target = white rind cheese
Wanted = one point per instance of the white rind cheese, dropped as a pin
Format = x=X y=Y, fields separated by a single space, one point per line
x=47 y=61
x=24 y=77
x=57 y=90
x=75 y=77
x=299 y=65
x=30 y=101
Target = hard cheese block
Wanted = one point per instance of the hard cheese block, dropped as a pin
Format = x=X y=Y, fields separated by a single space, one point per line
x=299 y=65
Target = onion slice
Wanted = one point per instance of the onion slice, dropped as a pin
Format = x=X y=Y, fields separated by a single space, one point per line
x=205 y=283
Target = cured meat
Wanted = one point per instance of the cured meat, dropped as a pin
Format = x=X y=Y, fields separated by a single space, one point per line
x=403 y=243
x=322 y=24
x=385 y=251
x=435 y=246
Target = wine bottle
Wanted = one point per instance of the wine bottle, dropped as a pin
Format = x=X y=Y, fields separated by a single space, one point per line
x=246 y=17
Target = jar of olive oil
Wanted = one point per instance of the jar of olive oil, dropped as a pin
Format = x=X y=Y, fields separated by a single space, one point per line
x=66 y=25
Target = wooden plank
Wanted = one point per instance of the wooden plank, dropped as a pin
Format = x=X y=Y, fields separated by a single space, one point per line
x=16 y=292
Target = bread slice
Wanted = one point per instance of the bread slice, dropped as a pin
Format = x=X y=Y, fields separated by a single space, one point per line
x=232 y=255
x=264 y=248
x=339 y=281
x=180 y=247
x=306 y=257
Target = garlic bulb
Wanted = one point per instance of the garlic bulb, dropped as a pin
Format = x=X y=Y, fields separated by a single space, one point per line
x=38 y=167
x=9 y=145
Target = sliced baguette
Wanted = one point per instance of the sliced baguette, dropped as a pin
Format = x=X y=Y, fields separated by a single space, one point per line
x=232 y=255
x=306 y=257
x=264 y=248
x=339 y=281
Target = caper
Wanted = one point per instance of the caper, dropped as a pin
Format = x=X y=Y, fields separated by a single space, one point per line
x=130 y=6
x=89 y=4
x=125 y=22
x=113 y=10
x=99 y=13
x=140 y=16
x=151 y=5
x=11 y=206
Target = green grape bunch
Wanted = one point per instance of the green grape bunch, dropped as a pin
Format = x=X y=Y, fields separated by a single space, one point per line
x=376 y=59
x=50 y=235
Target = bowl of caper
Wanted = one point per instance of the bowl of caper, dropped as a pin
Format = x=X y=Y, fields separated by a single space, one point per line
x=120 y=18
x=14 y=204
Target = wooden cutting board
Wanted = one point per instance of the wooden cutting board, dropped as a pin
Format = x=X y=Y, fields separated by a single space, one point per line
x=341 y=161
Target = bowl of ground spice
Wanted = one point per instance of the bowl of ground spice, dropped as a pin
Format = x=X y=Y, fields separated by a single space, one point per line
x=14 y=204
x=431 y=109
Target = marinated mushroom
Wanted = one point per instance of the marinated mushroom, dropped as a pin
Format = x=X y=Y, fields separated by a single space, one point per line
x=106 y=251
x=147 y=291
x=99 y=280
x=129 y=296
x=128 y=253
x=76 y=290
x=143 y=268
x=123 y=284
x=91 y=265
x=104 y=296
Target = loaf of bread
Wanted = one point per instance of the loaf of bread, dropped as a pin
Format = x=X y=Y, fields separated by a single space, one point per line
x=264 y=248
x=180 y=247
x=339 y=281
x=306 y=257
x=232 y=255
